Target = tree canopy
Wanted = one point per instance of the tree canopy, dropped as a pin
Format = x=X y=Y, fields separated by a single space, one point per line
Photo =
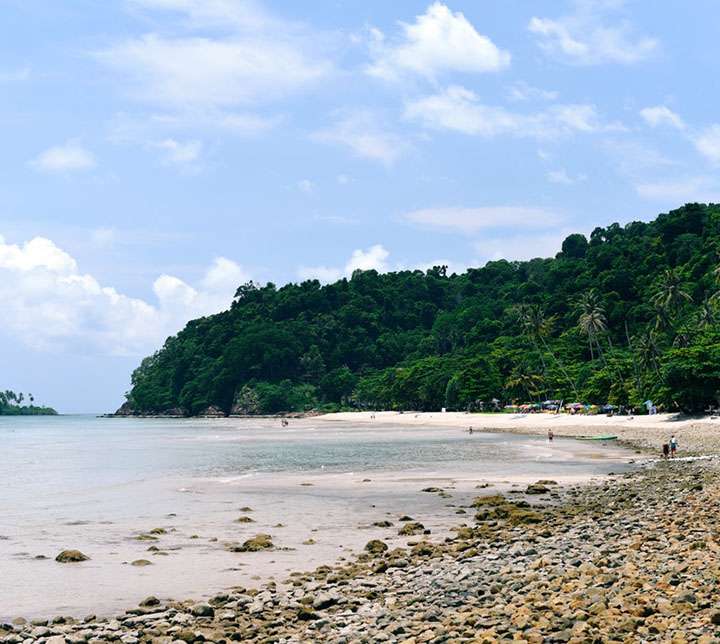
x=627 y=315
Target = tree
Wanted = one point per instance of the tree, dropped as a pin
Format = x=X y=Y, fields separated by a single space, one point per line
x=452 y=394
x=523 y=379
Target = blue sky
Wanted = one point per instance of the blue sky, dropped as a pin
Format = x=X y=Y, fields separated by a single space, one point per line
x=158 y=153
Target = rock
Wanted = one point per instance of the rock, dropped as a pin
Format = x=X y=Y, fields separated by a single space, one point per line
x=257 y=543
x=412 y=528
x=244 y=520
x=537 y=489
x=71 y=556
x=150 y=601
x=202 y=610
x=325 y=600
x=55 y=639
x=376 y=547
x=492 y=499
x=383 y=524
x=432 y=489
x=141 y=562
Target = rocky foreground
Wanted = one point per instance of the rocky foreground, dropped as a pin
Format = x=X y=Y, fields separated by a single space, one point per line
x=635 y=559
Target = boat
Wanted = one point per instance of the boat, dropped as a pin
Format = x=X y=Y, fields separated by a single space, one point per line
x=604 y=437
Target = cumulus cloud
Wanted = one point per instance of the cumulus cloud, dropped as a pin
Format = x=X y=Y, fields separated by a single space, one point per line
x=662 y=115
x=360 y=132
x=460 y=109
x=49 y=303
x=438 y=41
x=374 y=258
x=586 y=37
x=471 y=220
x=64 y=159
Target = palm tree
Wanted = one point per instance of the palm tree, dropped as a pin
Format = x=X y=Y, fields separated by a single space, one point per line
x=523 y=314
x=538 y=326
x=670 y=294
x=523 y=378
x=669 y=298
x=649 y=354
x=592 y=321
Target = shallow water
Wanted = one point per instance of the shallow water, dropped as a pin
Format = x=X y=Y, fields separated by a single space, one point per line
x=96 y=484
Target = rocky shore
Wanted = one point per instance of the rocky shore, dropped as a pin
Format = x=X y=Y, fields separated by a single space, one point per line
x=633 y=559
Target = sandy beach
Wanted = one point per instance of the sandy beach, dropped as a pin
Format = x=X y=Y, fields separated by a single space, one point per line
x=695 y=435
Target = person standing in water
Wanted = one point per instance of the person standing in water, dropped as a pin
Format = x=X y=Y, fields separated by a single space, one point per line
x=666 y=450
x=673 y=446
x=550 y=435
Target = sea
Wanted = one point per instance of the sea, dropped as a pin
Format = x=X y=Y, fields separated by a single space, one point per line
x=316 y=487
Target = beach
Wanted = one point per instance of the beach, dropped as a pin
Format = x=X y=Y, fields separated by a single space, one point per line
x=696 y=435
x=625 y=554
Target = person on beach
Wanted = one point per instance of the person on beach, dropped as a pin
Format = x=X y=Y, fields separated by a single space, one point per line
x=666 y=450
x=470 y=430
x=673 y=446
x=550 y=435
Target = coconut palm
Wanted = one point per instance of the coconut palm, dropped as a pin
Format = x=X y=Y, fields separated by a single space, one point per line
x=537 y=325
x=592 y=321
x=523 y=378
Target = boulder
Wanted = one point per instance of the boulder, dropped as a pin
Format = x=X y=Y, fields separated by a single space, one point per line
x=71 y=556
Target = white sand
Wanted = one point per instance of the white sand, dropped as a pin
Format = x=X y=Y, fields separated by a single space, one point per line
x=700 y=435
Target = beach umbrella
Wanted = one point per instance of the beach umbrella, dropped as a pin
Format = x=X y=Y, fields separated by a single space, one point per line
x=609 y=407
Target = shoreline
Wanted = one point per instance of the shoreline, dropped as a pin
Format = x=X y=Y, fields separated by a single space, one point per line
x=461 y=582
x=629 y=559
x=697 y=436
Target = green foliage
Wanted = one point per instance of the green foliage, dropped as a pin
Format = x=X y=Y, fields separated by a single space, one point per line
x=623 y=316
x=11 y=404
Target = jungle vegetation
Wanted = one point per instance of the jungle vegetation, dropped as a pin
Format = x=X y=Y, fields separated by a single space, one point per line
x=627 y=315
x=11 y=404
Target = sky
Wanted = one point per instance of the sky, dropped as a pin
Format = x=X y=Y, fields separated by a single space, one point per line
x=159 y=153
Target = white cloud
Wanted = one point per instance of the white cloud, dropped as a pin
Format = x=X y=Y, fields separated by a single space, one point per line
x=584 y=38
x=360 y=133
x=49 y=304
x=180 y=153
x=471 y=220
x=457 y=108
x=344 y=179
x=560 y=176
x=707 y=142
x=307 y=186
x=197 y=72
x=438 y=41
x=522 y=246
x=374 y=257
x=690 y=189
x=521 y=91
x=64 y=159
x=662 y=115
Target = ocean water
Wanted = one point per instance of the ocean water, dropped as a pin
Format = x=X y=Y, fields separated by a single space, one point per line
x=96 y=484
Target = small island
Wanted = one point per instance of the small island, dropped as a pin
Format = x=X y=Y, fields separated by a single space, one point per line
x=11 y=404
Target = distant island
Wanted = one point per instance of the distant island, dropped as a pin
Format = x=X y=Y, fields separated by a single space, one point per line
x=11 y=404
x=627 y=317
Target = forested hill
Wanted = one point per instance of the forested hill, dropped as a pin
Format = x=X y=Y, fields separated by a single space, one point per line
x=627 y=315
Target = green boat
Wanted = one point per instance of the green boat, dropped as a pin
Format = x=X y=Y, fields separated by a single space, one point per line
x=606 y=437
